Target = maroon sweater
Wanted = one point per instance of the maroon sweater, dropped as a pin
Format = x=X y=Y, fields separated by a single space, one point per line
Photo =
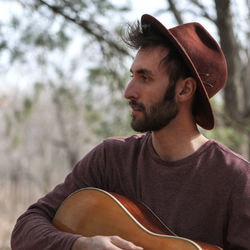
x=204 y=197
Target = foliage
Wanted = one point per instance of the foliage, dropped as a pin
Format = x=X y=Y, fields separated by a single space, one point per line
x=46 y=42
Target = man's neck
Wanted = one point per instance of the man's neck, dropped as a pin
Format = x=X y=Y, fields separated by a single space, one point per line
x=173 y=143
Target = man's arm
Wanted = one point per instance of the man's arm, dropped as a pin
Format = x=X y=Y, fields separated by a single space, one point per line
x=34 y=229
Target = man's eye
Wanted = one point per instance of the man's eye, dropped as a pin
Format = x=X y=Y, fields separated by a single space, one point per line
x=145 y=78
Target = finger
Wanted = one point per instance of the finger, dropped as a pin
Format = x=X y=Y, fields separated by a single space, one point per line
x=124 y=244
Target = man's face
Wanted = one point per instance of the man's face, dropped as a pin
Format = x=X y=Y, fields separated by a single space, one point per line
x=148 y=90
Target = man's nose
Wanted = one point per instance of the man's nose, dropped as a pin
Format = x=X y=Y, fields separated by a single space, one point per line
x=131 y=92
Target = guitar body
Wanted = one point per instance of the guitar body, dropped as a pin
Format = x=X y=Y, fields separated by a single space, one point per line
x=92 y=211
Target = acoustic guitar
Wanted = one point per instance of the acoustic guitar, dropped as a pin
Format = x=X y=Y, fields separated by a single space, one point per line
x=92 y=211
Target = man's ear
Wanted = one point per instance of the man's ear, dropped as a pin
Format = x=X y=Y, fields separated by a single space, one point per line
x=185 y=89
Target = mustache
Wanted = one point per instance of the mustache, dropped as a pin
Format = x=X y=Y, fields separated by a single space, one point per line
x=135 y=104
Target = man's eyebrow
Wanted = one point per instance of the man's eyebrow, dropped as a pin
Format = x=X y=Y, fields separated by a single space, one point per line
x=143 y=71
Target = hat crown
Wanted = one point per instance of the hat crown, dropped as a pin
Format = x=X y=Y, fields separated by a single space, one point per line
x=205 y=54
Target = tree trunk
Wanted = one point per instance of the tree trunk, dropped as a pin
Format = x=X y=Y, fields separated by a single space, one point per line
x=233 y=91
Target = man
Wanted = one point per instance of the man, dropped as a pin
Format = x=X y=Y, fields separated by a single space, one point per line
x=198 y=187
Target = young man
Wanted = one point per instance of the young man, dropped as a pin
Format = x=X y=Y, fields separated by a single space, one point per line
x=197 y=187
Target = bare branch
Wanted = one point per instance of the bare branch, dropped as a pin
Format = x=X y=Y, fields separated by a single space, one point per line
x=96 y=30
x=176 y=12
x=203 y=9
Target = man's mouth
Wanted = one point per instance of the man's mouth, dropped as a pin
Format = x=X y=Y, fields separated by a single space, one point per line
x=136 y=107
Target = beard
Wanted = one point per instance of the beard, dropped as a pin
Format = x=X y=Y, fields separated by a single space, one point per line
x=158 y=116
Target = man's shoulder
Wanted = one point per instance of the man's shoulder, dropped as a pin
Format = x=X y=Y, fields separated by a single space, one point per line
x=126 y=140
x=229 y=157
x=125 y=147
x=223 y=149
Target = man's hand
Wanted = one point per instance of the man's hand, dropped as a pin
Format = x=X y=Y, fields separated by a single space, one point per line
x=103 y=243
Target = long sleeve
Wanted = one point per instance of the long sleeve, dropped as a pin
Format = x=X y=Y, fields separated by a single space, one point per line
x=34 y=229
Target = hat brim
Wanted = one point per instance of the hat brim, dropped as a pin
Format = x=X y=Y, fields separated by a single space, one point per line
x=204 y=112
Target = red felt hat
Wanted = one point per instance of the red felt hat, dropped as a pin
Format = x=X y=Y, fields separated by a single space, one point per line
x=204 y=58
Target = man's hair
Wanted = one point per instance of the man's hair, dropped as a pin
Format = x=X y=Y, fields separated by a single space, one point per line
x=140 y=36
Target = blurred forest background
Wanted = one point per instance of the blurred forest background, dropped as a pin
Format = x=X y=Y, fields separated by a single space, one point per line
x=63 y=70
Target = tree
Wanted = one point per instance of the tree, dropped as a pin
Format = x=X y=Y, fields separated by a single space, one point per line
x=48 y=36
